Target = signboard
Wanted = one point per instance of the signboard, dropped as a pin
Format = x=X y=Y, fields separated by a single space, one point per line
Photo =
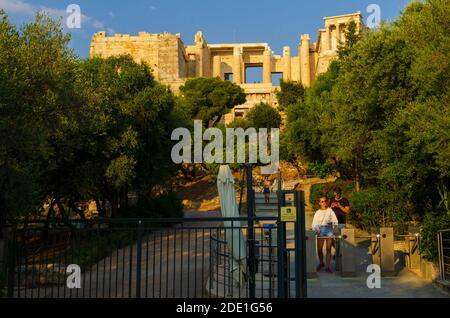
x=288 y=214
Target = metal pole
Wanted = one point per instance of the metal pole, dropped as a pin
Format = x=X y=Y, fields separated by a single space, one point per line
x=251 y=234
x=11 y=258
x=441 y=258
x=139 y=260
x=302 y=233
x=283 y=275
x=299 y=252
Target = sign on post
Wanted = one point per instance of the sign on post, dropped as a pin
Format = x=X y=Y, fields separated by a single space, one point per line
x=288 y=214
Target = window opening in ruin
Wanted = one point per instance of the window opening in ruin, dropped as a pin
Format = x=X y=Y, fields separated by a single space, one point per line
x=276 y=77
x=228 y=76
x=253 y=73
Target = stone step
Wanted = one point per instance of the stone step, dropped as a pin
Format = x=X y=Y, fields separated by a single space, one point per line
x=266 y=211
x=271 y=201
x=259 y=195
x=266 y=207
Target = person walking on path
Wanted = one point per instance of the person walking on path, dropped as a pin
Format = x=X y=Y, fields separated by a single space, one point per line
x=323 y=223
x=266 y=190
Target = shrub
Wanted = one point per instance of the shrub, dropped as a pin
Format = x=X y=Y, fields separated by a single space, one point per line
x=432 y=223
x=378 y=207
x=319 y=169
x=326 y=190
x=167 y=205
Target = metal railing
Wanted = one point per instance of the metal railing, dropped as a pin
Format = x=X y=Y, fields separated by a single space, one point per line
x=127 y=258
x=443 y=237
x=223 y=282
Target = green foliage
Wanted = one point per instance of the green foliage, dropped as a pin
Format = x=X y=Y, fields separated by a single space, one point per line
x=208 y=99
x=289 y=93
x=327 y=190
x=444 y=204
x=91 y=251
x=382 y=207
x=381 y=112
x=166 y=205
x=432 y=223
x=78 y=130
x=309 y=121
x=263 y=115
x=319 y=169
x=36 y=81
x=351 y=38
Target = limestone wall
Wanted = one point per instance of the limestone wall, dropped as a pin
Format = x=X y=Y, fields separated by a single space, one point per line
x=164 y=53
x=173 y=62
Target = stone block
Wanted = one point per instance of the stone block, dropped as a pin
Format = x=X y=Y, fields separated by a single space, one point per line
x=311 y=252
x=347 y=253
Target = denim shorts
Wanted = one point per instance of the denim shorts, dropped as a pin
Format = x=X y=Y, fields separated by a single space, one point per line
x=326 y=231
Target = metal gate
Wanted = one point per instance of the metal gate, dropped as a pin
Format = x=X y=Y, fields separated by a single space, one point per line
x=158 y=258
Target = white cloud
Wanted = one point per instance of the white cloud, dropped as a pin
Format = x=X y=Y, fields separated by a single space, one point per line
x=111 y=14
x=16 y=6
x=152 y=7
x=23 y=8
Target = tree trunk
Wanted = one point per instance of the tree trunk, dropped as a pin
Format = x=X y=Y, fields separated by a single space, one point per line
x=357 y=176
x=47 y=220
x=80 y=212
x=2 y=214
x=62 y=210
x=100 y=207
x=123 y=200
x=115 y=212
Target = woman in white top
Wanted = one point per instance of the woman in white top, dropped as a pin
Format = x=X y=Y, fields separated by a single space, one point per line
x=323 y=223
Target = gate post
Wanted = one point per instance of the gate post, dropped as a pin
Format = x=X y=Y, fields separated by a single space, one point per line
x=412 y=243
x=10 y=238
x=300 y=241
x=383 y=250
x=347 y=258
x=251 y=232
x=139 y=259
x=281 y=250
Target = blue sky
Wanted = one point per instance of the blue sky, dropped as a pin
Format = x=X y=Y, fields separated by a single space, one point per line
x=278 y=23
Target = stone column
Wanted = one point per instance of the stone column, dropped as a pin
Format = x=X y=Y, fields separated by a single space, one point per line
x=237 y=65
x=305 y=67
x=217 y=68
x=326 y=45
x=267 y=67
x=338 y=34
x=287 y=63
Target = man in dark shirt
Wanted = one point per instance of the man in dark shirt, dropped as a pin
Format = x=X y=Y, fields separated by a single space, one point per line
x=340 y=206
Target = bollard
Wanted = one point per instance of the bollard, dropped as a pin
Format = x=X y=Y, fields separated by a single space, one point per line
x=382 y=250
x=311 y=250
x=412 y=244
x=347 y=253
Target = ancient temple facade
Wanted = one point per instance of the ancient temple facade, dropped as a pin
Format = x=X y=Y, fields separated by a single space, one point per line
x=173 y=62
